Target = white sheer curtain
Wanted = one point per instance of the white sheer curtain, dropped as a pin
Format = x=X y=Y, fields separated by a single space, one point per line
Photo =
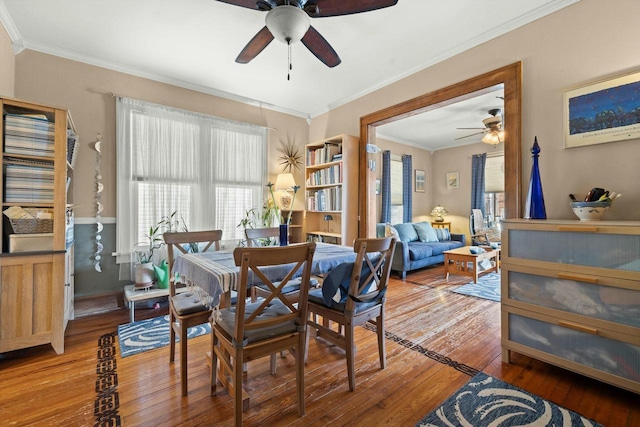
x=209 y=170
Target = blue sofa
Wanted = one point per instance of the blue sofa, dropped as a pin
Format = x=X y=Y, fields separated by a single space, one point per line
x=419 y=245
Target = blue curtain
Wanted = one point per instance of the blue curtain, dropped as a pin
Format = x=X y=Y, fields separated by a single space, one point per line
x=407 y=188
x=385 y=215
x=477 y=181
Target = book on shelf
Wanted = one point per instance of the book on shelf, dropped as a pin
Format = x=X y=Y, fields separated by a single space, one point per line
x=72 y=147
x=324 y=154
x=28 y=134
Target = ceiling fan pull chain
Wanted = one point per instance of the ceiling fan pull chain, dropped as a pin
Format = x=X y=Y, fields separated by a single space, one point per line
x=290 y=64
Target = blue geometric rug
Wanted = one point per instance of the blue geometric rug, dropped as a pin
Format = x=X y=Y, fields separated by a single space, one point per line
x=488 y=287
x=153 y=333
x=487 y=401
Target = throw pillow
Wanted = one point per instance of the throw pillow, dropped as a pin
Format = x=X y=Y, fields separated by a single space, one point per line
x=442 y=234
x=390 y=231
x=426 y=233
x=407 y=232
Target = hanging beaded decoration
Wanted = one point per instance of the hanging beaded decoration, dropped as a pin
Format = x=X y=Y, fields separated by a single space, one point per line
x=99 y=208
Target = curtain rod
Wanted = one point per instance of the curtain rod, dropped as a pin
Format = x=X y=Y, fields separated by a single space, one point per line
x=494 y=154
x=114 y=95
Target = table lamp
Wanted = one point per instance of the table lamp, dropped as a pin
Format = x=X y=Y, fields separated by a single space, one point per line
x=284 y=184
x=439 y=213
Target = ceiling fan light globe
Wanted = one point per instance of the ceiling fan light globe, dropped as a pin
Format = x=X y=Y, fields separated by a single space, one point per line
x=287 y=24
x=493 y=138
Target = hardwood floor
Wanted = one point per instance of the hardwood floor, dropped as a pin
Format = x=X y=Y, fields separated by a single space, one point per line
x=436 y=340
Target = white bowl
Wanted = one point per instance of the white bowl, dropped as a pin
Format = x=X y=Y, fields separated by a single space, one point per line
x=590 y=211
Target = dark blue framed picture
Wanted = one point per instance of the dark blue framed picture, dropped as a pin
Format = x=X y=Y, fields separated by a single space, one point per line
x=602 y=112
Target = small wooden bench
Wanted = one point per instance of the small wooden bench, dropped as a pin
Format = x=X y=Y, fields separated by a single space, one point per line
x=133 y=294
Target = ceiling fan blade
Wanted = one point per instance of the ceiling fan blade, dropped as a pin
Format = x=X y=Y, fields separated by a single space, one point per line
x=340 y=7
x=255 y=46
x=249 y=4
x=471 y=128
x=320 y=48
x=467 y=136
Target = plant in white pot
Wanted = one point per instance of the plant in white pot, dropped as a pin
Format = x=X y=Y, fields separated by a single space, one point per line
x=144 y=273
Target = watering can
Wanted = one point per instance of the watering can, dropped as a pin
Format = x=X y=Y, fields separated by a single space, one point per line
x=162 y=274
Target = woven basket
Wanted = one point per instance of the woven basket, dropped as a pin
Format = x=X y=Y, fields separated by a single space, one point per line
x=30 y=226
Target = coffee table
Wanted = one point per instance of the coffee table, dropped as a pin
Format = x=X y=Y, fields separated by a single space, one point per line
x=462 y=262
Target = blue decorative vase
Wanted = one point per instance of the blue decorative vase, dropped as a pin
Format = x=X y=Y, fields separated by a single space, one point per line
x=284 y=234
x=535 y=199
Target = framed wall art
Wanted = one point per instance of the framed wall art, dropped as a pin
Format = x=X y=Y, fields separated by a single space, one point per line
x=602 y=112
x=420 y=183
x=453 y=180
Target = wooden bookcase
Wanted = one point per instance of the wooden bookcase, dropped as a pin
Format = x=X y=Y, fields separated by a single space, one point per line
x=296 y=234
x=36 y=289
x=331 y=188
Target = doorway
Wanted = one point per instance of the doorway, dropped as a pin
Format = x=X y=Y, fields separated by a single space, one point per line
x=510 y=77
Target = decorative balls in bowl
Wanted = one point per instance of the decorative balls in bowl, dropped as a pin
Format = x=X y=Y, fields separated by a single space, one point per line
x=590 y=211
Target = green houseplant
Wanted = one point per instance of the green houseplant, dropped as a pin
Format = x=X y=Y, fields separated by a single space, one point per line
x=145 y=270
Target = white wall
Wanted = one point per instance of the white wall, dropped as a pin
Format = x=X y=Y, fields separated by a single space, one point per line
x=7 y=65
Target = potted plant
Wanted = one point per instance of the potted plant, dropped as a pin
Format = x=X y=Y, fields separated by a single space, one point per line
x=145 y=272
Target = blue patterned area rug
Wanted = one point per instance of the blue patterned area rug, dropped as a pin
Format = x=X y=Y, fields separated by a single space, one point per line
x=148 y=334
x=487 y=401
x=488 y=287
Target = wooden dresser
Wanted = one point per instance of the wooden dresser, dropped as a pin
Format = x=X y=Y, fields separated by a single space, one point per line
x=571 y=296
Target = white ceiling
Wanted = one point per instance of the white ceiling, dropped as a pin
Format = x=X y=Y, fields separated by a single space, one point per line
x=193 y=44
x=438 y=128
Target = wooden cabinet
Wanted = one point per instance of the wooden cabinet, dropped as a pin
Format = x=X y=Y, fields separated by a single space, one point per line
x=571 y=296
x=35 y=168
x=331 y=190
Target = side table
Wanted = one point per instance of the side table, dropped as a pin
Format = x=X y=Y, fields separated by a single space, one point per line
x=441 y=225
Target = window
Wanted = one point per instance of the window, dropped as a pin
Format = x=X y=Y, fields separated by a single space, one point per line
x=396 y=190
x=494 y=188
x=209 y=170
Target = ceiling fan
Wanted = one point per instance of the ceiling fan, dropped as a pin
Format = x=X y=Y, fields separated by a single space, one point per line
x=492 y=130
x=288 y=21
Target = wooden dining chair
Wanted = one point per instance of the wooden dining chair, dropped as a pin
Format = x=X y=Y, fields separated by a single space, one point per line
x=255 y=234
x=186 y=309
x=260 y=290
x=352 y=294
x=254 y=330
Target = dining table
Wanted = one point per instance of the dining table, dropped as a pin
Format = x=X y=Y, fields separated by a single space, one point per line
x=214 y=273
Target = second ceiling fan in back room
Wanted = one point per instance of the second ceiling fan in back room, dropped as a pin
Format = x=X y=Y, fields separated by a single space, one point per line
x=288 y=21
x=492 y=130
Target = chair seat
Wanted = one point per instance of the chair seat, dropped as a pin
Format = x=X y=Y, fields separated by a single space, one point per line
x=227 y=321
x=187 y=303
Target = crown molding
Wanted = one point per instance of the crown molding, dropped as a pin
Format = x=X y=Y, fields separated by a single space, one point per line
x=7 y=22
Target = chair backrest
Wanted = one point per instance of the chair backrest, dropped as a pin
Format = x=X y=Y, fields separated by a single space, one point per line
x=370 y=274
x=253 y=234
x=178 y=240
x=476 y=221
x=292 y=260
